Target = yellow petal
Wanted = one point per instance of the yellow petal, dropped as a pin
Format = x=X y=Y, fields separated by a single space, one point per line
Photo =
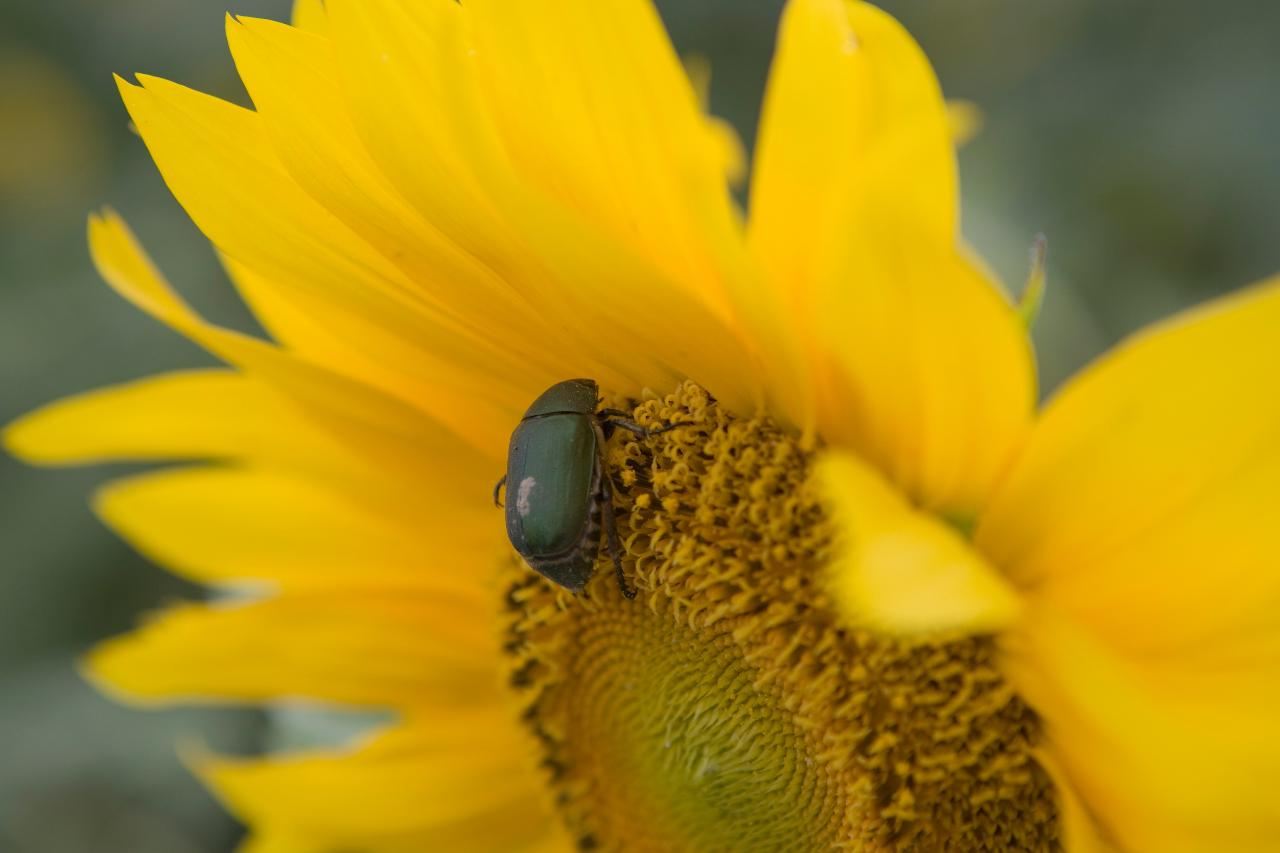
x=230 y=526
x=387 y=648
x=901 y=570
x=965 y=120
x=733 y=153
x=1174 y=755
x=1140 y=522
x=408 y=76
x=1146 y=491
x=1080 y=832
x=627 y=148
x=226 y=416
x=385 y=430
x=922 y=364
x=209 y=414
x=458 y=782
x=300 y=326
x=639 y=317
x=291 y=77
x=724 y=136
x=218 y=161
x=852 y=106
x=309 y=15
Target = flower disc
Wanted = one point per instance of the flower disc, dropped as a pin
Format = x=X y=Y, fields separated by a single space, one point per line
x=725 y=708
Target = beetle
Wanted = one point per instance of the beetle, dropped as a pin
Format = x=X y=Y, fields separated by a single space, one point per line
x=559 y=493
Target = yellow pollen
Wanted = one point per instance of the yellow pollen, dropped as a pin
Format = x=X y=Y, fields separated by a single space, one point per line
x=724 y=709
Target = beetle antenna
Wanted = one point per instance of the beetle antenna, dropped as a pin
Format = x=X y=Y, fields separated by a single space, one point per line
x=643 y=432
x=666 y=428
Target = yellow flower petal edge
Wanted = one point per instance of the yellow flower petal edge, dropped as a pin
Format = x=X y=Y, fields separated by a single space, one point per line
x=901 y=570
x=217 y=160
x=237 y=526
x=1080 y=832
x=454 y=781
x=628 y=147
x=350 y=410
x=965 y=119
x=733 y=152
x=374 y=649
x=309 y=15
x=210 y=414
x=1143 y=470
x=920 y=363
x=1177 y=756
x=1140 y=525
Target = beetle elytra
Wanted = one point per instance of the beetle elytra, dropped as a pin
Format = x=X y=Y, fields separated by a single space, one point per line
x=559 y=494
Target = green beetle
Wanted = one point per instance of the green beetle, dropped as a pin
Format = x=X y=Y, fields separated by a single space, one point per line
x=558 y=491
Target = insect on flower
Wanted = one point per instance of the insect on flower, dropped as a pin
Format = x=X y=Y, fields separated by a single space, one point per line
x=892 y=601
x=563 y=490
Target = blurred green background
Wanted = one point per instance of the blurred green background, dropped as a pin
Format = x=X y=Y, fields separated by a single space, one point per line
x=1141 y=137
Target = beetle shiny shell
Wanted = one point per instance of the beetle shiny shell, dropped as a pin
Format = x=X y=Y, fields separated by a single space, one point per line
x=555 y=491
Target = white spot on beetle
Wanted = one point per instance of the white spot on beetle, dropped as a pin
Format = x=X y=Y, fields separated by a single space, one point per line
x=522 y=495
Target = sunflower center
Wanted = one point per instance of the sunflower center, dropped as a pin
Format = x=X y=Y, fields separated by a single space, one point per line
x=724 y=709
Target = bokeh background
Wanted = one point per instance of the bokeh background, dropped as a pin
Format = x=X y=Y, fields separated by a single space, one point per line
x=1141 y=137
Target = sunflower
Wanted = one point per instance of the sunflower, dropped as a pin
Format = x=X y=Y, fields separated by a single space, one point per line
x=885 y=602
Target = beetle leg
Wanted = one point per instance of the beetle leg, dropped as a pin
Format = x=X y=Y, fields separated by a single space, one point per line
x=606 y=512
x=612 y=413
x=611 y=533
x=497 y=488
